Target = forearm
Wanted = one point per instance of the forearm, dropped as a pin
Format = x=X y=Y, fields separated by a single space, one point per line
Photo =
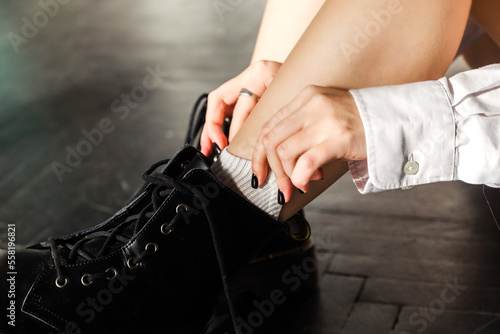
x=283 y=23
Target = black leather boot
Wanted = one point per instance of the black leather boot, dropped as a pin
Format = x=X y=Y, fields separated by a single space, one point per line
x=257 y=281
x=155 y=266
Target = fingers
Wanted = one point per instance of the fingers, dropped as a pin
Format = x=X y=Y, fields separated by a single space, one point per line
x=226 y=101
x=219 y=105
x=318 y=175
x=291 y=148
x=308 y=166
x=291 y=140
x=273 y=133
x=282 y=125
x=282 y=180
x=318 y=126
x=258 y=81
x=212 y=134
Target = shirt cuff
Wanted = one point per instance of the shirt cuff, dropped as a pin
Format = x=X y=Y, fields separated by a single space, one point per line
x=410 y=136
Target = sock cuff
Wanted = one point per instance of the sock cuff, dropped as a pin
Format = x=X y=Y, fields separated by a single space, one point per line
x=236 y=173
x=232 y=165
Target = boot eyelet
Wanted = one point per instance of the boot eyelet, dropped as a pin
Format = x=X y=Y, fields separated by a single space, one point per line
x=130 y=263
x=185 y=163
x=164 y=229
x=152 y=244
x=87 y=280
x=182 y=205
x=61 y=285
x=113 y=272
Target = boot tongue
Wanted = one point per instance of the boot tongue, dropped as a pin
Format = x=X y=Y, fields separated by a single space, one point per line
x=94 y=246
x=199 y=161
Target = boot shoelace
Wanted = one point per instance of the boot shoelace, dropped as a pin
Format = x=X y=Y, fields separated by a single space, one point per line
x=164 y=186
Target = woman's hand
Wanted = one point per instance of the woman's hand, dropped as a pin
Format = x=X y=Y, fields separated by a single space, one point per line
x=225 y=101
x=320 y=125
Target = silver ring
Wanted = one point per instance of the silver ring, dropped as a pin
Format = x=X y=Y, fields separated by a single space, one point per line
x=246 y=92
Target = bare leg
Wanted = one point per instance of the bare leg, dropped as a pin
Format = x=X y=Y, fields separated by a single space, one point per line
x=484 y=52
x=346 y=46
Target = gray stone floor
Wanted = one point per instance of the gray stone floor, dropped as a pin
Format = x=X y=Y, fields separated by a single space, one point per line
x=418 y=261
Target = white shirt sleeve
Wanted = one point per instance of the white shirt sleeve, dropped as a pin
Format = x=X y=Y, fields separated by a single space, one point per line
x=431 y=131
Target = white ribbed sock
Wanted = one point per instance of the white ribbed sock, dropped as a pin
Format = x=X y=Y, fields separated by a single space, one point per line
x=236 y=173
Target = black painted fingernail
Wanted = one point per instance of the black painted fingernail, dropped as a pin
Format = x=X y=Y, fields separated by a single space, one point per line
x=255 y=181
x=216 y=148
x=300 y=191
x=281 y=198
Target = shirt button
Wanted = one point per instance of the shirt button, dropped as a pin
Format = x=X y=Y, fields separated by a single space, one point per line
x=411 y=168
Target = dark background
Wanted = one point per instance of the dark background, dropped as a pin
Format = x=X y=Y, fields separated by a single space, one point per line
x=64 y=80
x=382 y=256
